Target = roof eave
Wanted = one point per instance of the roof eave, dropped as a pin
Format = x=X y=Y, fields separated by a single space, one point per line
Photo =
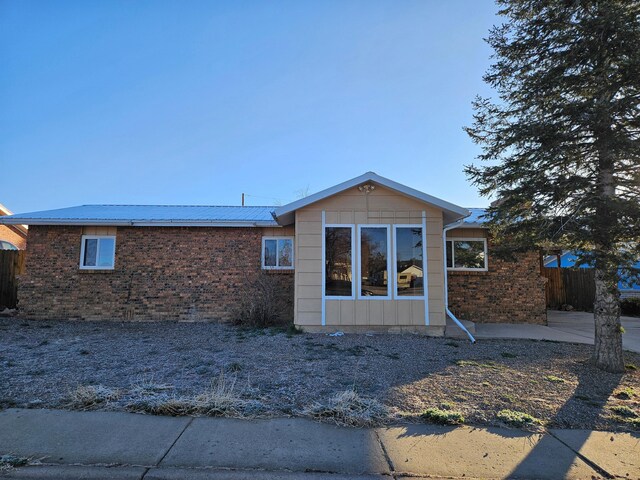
x=136 y=223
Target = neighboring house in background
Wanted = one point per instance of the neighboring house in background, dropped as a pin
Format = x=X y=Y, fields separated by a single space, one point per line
x=331 y=255
x=627 y=286
x=12 y=237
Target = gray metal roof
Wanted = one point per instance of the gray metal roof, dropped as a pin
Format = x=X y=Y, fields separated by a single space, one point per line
x=149 y=215
x=170 y=215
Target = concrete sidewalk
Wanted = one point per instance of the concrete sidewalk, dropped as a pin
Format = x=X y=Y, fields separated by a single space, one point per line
x=96 y=445
x=573 y=327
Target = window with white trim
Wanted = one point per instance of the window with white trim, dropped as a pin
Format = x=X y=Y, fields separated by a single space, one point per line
x=374 y=261
x=467 y=254
x=409 y=261
x=277 y=253
x=98 y=252
x=389 y=261
x=339 y=259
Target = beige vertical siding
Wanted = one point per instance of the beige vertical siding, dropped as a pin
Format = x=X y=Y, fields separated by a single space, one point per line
x=382 y=206
x=287 y=231
x=467 y=233
x=308 y=258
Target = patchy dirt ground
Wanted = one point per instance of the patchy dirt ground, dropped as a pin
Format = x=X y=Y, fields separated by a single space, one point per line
x=42 y=363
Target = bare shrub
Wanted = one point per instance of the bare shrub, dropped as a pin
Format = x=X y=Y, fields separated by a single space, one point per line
x=348 y=408
x=258 y=303
x=86 y=397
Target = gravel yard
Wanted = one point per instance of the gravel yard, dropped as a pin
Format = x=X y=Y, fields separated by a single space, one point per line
x=42 y=364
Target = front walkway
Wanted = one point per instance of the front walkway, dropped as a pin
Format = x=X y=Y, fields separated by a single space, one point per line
x=574 y=327
x=92 y=445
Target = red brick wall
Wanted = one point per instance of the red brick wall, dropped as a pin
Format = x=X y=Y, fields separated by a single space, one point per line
x=12 y=236
x=510 y=292
x=160 y=273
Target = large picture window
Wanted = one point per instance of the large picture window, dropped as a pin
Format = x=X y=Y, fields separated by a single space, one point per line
x=374 y=262
x=338 y=254
x=97 y=252
x=277 y=253
x=409 y=261
x=467 y=254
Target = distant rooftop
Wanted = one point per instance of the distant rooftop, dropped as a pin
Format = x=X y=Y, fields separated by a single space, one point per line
x=475 y=219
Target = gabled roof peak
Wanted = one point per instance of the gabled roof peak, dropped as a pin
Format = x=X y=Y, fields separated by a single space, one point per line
x=452 y=212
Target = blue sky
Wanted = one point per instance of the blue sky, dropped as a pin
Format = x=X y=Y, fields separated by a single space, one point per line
x=189 y=102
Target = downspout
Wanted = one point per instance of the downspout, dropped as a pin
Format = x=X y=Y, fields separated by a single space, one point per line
x=446 y=279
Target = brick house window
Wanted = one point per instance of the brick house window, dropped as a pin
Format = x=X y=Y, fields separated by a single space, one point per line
x=467 y=254
x=97 y=252
x=277 y=253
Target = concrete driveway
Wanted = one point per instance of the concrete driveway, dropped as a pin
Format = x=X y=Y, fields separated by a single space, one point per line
x=574 y=327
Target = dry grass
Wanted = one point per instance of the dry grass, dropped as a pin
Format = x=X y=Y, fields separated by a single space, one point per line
x=220 y=399
x=86 y=397
x=147 y=385
x=348 y=408
x=168 y=366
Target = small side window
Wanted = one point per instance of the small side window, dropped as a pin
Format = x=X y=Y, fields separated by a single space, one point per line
x=277 y=253
x=467 y=254
x=97 y=252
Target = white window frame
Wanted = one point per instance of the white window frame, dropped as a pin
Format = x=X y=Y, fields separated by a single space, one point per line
x=353 y=261
x=389 y=295
x=395 y=263
x=453 y=255
x=278 y=267
x=97 y=237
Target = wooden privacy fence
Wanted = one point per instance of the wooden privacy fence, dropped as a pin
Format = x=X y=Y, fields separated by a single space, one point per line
x=11 y=265
x=570 y=286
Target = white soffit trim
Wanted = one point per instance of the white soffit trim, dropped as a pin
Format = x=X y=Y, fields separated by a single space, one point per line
x=285 y=213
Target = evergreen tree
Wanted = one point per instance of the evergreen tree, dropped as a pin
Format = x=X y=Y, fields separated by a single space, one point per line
x=562 y=141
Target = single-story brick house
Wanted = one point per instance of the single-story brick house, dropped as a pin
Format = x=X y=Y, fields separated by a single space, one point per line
x=367 y=254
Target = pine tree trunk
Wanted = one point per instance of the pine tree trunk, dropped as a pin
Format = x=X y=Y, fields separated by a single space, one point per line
x=607 y=353
x=608 y=332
